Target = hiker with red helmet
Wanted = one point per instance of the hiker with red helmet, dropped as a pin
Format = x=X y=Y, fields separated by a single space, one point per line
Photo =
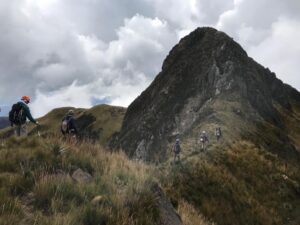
x=19 y=114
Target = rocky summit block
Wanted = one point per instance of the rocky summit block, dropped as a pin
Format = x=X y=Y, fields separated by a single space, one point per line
x=207 y=81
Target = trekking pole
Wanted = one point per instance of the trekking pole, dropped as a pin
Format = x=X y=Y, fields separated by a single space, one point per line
x=38 y=130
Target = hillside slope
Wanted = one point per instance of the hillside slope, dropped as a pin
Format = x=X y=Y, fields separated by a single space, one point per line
x=39 y=185
x=249 y=176
x=95 y=124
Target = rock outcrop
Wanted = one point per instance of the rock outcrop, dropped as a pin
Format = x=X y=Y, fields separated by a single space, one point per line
x=207 y=80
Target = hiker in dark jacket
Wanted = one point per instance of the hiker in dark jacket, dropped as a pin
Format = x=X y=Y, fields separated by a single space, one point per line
x=68 y=126
x=176 y=150
x=218 y=133
x=19 y=114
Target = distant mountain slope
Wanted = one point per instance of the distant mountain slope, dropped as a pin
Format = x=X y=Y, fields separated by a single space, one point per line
x=95 y=124
x=4 y=122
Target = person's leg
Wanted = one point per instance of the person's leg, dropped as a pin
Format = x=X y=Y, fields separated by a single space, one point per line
x=23 y=130
x=176 y=157
x=17 y=130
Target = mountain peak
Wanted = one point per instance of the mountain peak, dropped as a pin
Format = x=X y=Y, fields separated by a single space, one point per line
x=207 y=80
x=214 y=41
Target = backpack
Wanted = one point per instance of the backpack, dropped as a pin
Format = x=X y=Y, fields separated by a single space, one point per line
x=177 y=148
x=15 y=114
x=218 y=132
x=65 y=125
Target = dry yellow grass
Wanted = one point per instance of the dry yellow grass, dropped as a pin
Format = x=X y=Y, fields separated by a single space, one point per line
x=190 y=216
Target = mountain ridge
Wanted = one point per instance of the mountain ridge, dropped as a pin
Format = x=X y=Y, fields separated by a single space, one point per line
x=204 y=69
x=96 y=124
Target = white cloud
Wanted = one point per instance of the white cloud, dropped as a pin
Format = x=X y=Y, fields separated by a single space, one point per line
x=280 y=51
x=120 y=70
x=74 y=95
x=269 y=36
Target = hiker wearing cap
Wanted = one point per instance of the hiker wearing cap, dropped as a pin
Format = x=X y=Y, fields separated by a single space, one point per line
x=68 y=125
x=203 y=140
x=19 y=114
x=176 y=150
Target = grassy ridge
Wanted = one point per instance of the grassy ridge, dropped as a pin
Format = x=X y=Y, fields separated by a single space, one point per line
x=229 y=186
x=36 y=186
x=98 y=123
x=240 y=184
x=234 y=182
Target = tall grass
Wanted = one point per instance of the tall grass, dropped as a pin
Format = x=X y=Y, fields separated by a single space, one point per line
x=242 y=183
x=37 y=177
x=238 y=185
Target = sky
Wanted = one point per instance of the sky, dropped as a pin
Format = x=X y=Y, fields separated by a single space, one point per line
x=85 y=52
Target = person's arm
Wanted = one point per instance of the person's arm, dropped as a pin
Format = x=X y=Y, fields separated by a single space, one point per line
x=28 y=114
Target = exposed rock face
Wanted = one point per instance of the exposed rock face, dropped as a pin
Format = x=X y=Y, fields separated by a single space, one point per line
x=168 y=215
x=207 y=79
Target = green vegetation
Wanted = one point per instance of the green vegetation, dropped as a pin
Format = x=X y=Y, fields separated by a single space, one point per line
x=239 y=184
x=37 y=188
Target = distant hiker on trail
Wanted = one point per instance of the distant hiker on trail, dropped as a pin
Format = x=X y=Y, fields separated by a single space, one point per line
x=18 y=116
x=176 y=150
x=68 y=125
x=218 y=133
x=203 y=140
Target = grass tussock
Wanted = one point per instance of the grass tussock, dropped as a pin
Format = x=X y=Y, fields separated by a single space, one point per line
x=190 y=216
x=38 y=187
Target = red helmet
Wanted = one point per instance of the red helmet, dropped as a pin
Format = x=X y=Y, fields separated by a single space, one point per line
x=25 y=98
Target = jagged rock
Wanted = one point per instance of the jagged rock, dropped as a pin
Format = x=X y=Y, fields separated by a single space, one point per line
x=81 y=177
x=168 y=215
x=207 y=80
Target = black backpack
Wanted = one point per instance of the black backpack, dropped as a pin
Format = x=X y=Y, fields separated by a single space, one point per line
x=15 y=114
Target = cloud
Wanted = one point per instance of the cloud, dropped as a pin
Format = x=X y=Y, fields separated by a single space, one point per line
x=113 y=49
x=118 y=71
x=269 y=36
x=72 y=95
x=280 y=51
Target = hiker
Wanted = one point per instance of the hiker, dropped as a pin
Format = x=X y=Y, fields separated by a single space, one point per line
x=203 y=140
x=19 y=114
x=68 y=125
x=218 y=133
x=176 y=150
